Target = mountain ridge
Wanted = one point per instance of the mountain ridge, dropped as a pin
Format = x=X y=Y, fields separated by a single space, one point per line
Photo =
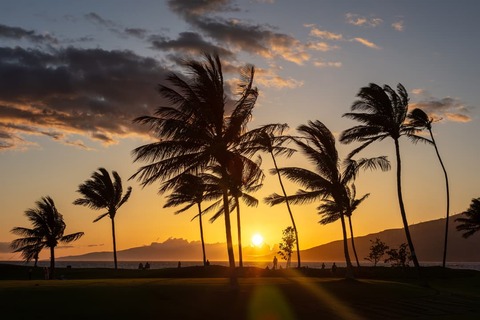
x=427 y=237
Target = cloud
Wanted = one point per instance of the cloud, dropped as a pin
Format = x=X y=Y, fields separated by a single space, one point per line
x=323 y=34
x=399 y=26
x=270 y=79
x=237 y=35
x=321 y=46
x=366 y=43
x=16 y=33
x=332 y=36
x=323 y=64
x=189 y=42
x=97 y=19
x=358 y=20
x=94 y=93
x=448 y=109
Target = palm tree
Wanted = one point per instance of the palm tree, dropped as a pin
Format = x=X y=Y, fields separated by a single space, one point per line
x=420 y=120
x=100 y=192
x=240 y=188
x=331 y=212
x=325 y=183
x=192 y=190
x=48 y=230
x=382 y=112
x=270 y=139
x=196 y=131
x=471 y=223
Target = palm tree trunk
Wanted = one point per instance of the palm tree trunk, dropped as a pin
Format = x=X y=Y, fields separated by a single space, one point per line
x=51 y=272
x=289 y=210
x=349 y=274
x=352 y=240
x=239 y=230
x=228 y=231
x=201 y=233
x=114 y=244
x=448 y=199
x=402 y=207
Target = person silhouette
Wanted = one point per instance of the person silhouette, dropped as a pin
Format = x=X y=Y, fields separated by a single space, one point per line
x=334 y=268
x=275 y=261
x=140 y=266
x=147 y=265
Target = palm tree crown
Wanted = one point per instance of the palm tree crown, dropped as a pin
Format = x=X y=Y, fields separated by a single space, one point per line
x=196 y=130
x=100 y=192
x=47 y=231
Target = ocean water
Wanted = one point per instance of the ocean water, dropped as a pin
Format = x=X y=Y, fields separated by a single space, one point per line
x=259 y=264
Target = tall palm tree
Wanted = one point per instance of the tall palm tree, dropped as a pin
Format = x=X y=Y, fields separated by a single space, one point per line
x=192 y=190
x=196 y=129
x=471 y=222
x=47 y=231
x=270 y=139
x=100 y=192
x=325 y=183
x=382 y=113
x=420 y=120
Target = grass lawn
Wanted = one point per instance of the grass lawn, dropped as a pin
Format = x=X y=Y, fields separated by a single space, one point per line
x=281 y=297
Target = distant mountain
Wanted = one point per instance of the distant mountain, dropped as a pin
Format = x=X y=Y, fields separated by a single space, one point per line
x=427 y=238
x=174 y=249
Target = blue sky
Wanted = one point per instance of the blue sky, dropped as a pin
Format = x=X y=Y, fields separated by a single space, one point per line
x=73 y=74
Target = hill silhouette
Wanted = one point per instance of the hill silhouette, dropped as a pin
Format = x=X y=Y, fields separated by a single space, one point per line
x=427 y=237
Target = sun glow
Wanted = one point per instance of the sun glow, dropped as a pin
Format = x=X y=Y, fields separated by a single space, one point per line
x=257 y=239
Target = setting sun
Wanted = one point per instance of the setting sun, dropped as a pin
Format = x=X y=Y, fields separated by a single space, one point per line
x=257 y=239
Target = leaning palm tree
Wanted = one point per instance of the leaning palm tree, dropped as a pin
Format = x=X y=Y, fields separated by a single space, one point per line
x=325 y=183
x=196 y=130
x=100 y=192
x=47 y=231
x=382 y=112
x=470 y=224
x=192 y=190
x=270 y=139
x=420 y=120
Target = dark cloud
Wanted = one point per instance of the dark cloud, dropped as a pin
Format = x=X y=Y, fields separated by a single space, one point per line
x=448 y=108
x=200 y=7
x=238 y=35
x=136 y=32
x=98 y=20
x=89 y=92
x=189 y=42
x=16 y=33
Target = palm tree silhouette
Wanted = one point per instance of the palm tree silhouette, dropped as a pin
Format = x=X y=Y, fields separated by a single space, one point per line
x=331 y=212
x=196 y=130
x=270 y=139
x=192 y=190
x=48 y=230
x=382 y=112
x=420 y=120
x=325 y=183
x=471 y=222
x=100 y=192
x=239 y=189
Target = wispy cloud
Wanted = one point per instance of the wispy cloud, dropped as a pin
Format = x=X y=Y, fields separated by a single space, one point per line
x=447 y=109
x=323 y=34
x=324 y=64
x=362 y=21
x=366 y=43
x=16 y=33
x=399 y=25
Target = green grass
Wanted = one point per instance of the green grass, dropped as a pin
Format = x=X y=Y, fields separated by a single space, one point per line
x=276 y=296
